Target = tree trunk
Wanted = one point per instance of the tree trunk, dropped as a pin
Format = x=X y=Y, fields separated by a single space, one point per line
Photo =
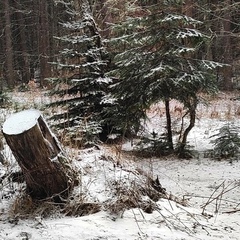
x=25 y=63
x=169 y=124
x=192 y=113
x=187 y=8
x=9 y=47
x=46 y=169
x=227 y=51
x=44 y=43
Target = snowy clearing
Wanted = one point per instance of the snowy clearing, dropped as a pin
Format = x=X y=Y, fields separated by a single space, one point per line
x=210 y=190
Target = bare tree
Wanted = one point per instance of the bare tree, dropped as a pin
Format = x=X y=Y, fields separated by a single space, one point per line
x=24 y=61
x=9 y=46
x=44 y=44
x=227 y=46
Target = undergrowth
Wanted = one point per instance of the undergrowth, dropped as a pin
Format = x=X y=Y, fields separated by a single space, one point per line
x=136 y=190
x=226 y=142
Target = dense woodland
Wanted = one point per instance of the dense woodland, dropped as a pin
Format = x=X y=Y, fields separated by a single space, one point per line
x=109 y=61
x=29 y=31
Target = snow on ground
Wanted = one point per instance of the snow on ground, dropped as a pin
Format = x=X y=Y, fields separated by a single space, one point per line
x=210 y=188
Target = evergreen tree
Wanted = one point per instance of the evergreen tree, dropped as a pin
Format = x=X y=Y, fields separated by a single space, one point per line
x=226 y=142
x=81 y=84
x=157 y=60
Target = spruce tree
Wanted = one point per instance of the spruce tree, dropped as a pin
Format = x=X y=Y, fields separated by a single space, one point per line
x=226 y=143
x=81 y=64
x=157 y=59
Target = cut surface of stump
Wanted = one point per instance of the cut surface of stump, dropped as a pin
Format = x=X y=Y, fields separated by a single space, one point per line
x=46 y=169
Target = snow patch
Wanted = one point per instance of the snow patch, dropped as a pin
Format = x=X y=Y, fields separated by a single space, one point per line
x=20 y=122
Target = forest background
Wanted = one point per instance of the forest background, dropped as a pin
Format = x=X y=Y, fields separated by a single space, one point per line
x=96 y=54
x=29 y=30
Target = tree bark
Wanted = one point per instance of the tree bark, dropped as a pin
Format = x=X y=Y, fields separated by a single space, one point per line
x=25 y=63
x=192 y=106
x=44 y=43
x=227 y=51
x=169 y=124
x=46 y=169
x=9 y=47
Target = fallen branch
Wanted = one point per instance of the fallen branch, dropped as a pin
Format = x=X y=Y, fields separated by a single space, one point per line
x=219 y=197
x=230 y=212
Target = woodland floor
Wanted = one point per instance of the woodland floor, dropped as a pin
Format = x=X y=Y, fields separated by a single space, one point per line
x=209 y=188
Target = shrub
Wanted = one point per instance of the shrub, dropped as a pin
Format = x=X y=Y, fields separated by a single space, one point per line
x=226 y=142
x=154 y=146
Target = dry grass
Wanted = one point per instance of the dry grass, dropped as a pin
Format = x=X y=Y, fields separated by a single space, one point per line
x=224 y=105
x=24 y=207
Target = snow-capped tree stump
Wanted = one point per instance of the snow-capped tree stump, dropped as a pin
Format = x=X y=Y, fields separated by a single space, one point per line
x=46 y=169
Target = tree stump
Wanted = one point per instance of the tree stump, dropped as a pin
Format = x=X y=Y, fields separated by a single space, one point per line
x=46 y=169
